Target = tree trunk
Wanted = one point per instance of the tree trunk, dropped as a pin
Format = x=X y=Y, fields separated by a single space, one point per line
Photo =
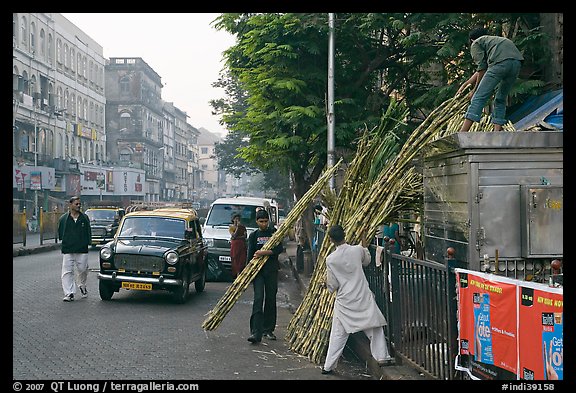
x=552 y=24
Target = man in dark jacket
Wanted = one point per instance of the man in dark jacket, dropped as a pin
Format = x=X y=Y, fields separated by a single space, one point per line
x=263 y=318
x=75 y=233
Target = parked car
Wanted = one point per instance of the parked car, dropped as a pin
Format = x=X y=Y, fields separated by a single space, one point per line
x=104 y=221
x=215 y=230
x=161 y=249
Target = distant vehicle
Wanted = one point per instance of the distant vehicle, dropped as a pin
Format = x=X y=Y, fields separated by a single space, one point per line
x=281 y=216
x=159 y=249
x=104 y=221
x=216 y=234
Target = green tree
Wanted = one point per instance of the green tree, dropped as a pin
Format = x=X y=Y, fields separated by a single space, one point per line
x=276 y=79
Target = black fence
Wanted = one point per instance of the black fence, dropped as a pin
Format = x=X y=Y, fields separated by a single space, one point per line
x=418 y=299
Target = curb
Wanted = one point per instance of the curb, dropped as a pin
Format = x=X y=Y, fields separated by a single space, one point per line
x=35 y=249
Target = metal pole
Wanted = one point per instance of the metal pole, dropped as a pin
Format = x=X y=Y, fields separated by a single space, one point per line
x=331 y=119
x=35 y=158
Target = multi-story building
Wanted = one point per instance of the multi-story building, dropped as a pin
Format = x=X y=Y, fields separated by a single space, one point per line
x=84 y=125
x=179 y=164
x=135 y=119
x=58 y=106
x=194 y=174
x=210 y=182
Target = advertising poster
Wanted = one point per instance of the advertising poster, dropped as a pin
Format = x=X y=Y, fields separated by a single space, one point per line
x=487 y=326
x=36 y=180
x=541 y=325
x=33 y=177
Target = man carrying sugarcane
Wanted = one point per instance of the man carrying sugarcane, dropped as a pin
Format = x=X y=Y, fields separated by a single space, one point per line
x=263 y=318
x=355 y=308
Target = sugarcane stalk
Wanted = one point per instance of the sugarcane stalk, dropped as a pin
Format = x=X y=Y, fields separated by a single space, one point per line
x=215 y=316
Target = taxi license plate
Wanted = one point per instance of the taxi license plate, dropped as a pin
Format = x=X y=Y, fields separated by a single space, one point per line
x=223 y=258
x=137 y=285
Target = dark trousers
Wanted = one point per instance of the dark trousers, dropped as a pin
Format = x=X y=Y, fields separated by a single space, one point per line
x=263 y=318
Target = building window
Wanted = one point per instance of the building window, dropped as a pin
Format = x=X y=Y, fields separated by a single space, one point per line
x=24 y=31
x=72 y=60
x=125 y=85
x=50 y=48
x=66 y=59
x=125 y=121
x=59 y=56
x=125 y=155
x=42 y=43
x=33 y=37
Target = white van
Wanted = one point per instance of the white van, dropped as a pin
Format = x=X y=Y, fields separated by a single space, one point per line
x=215 y=230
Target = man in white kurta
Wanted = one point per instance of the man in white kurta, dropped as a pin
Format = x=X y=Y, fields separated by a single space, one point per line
x=355 y=308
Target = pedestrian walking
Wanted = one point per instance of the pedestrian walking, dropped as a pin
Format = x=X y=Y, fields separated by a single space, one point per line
x=355 y=308
x=263 y=318
x=498 y=63
x=238 y=247
x=75 y=234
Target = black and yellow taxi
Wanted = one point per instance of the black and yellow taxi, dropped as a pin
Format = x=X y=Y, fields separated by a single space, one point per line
x=104 y=221
x=159 y=249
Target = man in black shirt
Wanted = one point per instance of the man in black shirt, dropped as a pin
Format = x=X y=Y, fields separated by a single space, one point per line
x=263 y=318
x=75 y=233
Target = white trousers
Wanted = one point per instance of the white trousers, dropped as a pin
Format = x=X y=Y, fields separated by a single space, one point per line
x=74 y=264
x=339 y=337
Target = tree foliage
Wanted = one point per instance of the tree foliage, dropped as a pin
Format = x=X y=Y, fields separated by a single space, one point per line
x=276 y=79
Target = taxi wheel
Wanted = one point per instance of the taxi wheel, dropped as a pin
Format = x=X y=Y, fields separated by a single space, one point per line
x=106 y=290
x=200 y=284
x=181 y=293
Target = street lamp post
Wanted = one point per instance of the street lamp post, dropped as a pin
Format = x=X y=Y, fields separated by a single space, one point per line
x=100 y=182
x=35 y=158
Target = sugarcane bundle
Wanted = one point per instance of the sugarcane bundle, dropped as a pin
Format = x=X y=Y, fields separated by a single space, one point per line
x=309 y=329
x=234 y=291
x=371 y=195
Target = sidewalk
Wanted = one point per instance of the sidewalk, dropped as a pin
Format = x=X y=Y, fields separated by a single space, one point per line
x=357 y=342
x=33 y=245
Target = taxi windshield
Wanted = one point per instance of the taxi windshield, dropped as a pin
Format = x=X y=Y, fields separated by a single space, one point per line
x=153 y=226
x=103 y=214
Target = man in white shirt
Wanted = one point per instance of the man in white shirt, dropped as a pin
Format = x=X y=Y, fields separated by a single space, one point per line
x=355 y=308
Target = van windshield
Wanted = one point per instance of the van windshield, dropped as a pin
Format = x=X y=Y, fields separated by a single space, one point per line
x=222 y=215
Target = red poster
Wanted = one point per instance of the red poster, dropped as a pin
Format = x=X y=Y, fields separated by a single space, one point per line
x=487 y=306
x=541 y=321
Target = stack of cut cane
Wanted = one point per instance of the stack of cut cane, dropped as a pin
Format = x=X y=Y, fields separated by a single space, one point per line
x=380 y=182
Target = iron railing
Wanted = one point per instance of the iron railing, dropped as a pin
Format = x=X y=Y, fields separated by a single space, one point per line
x=418 y=299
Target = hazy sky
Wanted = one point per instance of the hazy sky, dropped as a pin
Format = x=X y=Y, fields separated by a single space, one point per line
x=184 y=49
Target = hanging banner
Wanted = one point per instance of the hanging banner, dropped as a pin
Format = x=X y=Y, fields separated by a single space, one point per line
x=487 y=337
x=499 y=322
x=541 y=325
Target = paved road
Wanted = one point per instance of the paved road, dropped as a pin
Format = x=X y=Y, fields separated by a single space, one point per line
x=144 y=336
